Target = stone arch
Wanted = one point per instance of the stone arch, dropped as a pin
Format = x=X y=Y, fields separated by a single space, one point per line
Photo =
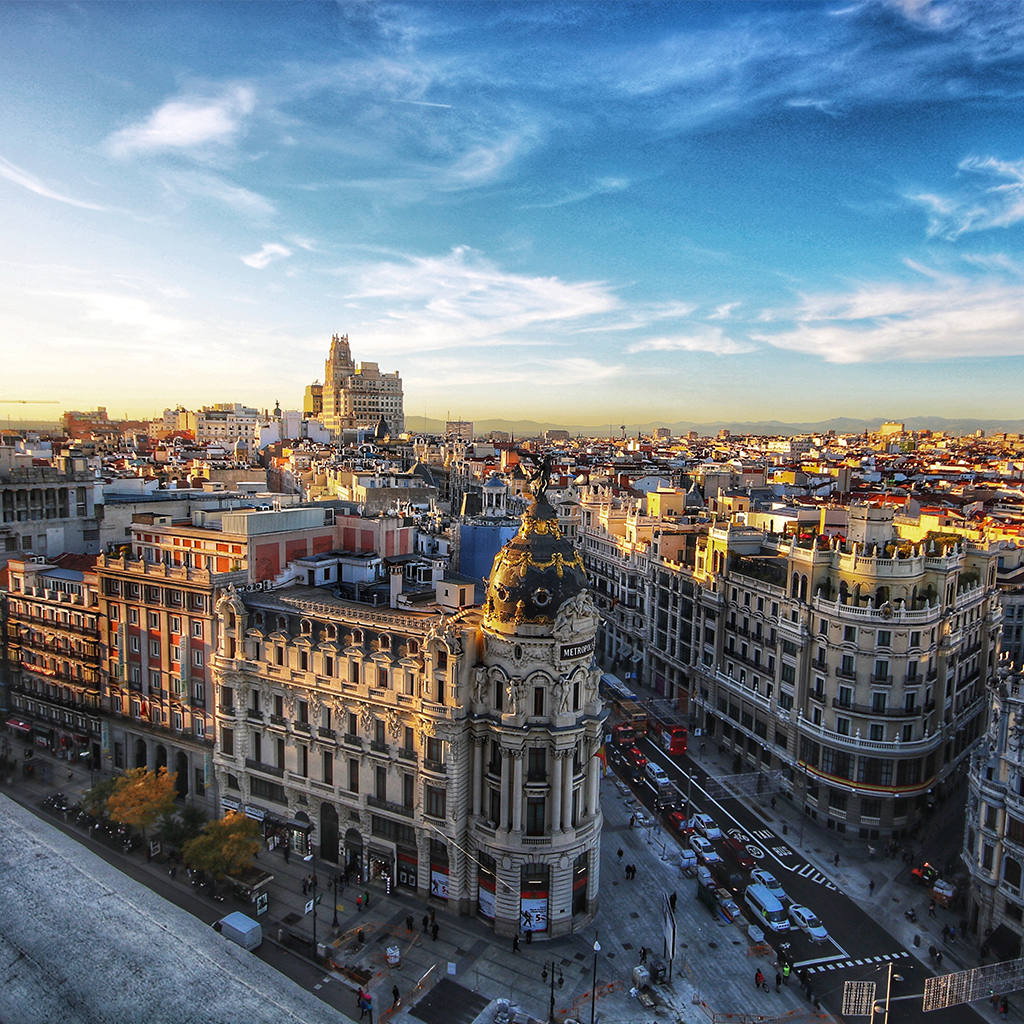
x=844 y=592
x=141 y=754
x=794 y=588
x=161 y=757
x=803 y=588
x=328 y=832
x=881 y=596
x=181 y=767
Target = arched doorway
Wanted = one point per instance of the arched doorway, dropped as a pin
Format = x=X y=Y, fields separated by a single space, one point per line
x=141 y=756
x=328 y=833
x=354 y=854
x=161 y=756
x=181 y=767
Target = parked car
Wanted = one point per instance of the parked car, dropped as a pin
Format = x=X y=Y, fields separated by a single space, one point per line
x=807 y=921
x=735 y=851
x=727 y=877
x=678 y=822
x=706 y=827
x=761 y=877
x=706 y=853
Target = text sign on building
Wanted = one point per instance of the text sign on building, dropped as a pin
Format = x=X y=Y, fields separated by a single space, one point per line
x=570 y=651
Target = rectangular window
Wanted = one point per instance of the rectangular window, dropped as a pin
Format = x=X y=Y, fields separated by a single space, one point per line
x=915 y=638
x=200 y=727
x=133 y=644
x=175 y=624
x=884 y=638
x=435 y=802
x=154 y=648
x=199 y=692
x=197 y=629
x=380 y=783
x=408 y=790
x=302 y=708
x=535 y=816
x=176 y=720
x=849 y=634
x=328 y=767
x=382 y=677
x=353 y=672
x=303 y=760
x=538 y=700
x=353 y=775
x=227 y=742
x=536 y=764
x=154 y=620
x=876 y=731
x=133 y=616
x=197 y=659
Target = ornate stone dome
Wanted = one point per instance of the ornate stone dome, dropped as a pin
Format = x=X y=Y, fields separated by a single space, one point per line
x=533 y=575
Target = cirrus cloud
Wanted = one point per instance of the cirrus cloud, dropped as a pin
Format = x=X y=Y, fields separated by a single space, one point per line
x=270 y=252
x=714 y=341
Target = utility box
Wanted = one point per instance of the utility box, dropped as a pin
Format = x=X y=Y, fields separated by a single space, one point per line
x=658 y=971
x=641 y=976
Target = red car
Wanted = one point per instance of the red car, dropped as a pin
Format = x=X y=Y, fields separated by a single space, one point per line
x=679 y=823
x=635 y=757
x=736 y=852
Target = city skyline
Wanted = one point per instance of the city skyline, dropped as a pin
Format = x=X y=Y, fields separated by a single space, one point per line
x=632 y=212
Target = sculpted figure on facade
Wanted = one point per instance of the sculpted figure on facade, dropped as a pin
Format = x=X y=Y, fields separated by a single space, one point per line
x=515 y=693
x=576 y=616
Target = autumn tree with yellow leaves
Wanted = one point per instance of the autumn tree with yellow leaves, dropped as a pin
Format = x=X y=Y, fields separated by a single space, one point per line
x=227 y=846
x=140 y=797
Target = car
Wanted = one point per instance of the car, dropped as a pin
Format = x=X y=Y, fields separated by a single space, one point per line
x=706 y=853
x=761 y=877
x=735 y=851
x=679 y=823
x=706 y=827
x=656 y=775
x=635 y=757
x=727 y=877
x=807 y=921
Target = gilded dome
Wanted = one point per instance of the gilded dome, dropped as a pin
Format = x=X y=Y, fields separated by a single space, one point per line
x=536 y=572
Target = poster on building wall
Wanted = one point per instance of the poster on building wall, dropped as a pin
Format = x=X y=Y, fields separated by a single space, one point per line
x=439 y=882
x=533 y=912
x=486 y=899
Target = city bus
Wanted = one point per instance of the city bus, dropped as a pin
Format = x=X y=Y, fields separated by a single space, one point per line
x=625 y=703
x=666 y=726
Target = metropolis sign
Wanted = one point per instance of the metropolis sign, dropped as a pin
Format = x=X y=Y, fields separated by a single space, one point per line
x=570 y=651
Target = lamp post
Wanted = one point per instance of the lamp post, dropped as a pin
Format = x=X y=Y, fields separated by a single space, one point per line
x=593 y=990
x=309 y=859
x=336 y=880
x=561 y=981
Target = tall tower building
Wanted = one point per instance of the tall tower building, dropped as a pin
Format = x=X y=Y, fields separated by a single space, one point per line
x=357 y=395
x=535 y=820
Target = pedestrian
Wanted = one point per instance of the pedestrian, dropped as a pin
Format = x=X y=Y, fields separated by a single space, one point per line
x=835 y=860
x=620 y=854
x=395 y=996
x=174 y=871
x=361 y=998
x=773 y=803
x=672 y=902
x=408 y=923
x=805 y=979
x=529 y=936
x=433 y=915
x=434 y=930
x=785 y=973
x=426 y=923
x=1004 y=1007
x=286 y=853
x=758 y=979
x=359 y=904
x=931 y=909
x=778 y=981
x=945 y=933
x=702 y=746
x=366 y=898
x=938 y=958
x=643 y=954
x=952 y=933
x=515 y=943
x=632 y=820
x=304 y=887
x=871 y=887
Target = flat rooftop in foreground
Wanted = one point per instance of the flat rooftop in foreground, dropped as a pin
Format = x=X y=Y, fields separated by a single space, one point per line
x=82 y=943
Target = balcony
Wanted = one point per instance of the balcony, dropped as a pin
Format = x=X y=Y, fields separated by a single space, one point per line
x=847 y=673
x=881 y=680
x=388 y=805
x=278 y=720
x=883 y=712
x=300 y=726
x=407 y=753
x=226 y=709
x=352 y=740
x=254 y=714
x=379 y=748
x=819 y=696
x=266 y=769
x=327 y=734
x=434 y=766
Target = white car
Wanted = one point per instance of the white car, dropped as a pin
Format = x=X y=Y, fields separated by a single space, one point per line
x=706 y=853
x=807 y=921
x=656 y=775
x=706 y=827
x=761 y=877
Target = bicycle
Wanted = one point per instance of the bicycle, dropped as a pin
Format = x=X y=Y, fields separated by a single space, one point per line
x=764 y=985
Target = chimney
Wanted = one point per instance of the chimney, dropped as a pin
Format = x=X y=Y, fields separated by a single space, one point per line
x=437 y=571
x=396 y=584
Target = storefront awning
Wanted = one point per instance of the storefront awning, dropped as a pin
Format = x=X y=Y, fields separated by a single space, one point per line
x=19 y=725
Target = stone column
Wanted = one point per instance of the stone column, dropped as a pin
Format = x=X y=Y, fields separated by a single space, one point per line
x=505 y=780
x=517 y=791
x=478 y=773
x=567 y=780
x=556 y=791
x=593 y=777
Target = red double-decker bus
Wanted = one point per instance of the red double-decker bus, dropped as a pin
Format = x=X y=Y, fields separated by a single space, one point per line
x=665 y=726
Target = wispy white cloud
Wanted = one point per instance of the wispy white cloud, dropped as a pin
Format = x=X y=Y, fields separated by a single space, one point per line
x=712 y=340
x=599 y=187
x=128 y=311
x=26 y=180
x=977 y=205
x=463 y=299
x=186 y=124
x=270 y=252
x=724 y=311
x=951 y=318
x=212 y=186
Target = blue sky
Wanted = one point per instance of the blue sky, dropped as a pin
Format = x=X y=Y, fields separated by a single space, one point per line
x=582 y=213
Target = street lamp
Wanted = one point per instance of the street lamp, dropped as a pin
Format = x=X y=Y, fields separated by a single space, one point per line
x=335 y=882
x=309 y=859
x=593 y=989
x=561 y=981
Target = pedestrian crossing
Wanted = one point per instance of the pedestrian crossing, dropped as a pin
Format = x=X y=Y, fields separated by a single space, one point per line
x=862 y=962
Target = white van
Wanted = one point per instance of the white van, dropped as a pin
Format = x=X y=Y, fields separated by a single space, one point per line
x=768 y=910
x=241 y=929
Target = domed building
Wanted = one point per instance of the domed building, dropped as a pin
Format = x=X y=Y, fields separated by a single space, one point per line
x=536 y=729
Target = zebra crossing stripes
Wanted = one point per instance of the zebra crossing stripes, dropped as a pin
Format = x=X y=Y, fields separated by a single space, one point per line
x=812 y=874
x=863 y=961
x=763 y=833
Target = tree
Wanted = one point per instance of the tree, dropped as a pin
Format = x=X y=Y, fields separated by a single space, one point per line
x=178 y=829
x=142 y=796
x=224 y=847
x=94 y=801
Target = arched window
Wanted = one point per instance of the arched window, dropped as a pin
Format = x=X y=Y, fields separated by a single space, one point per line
x=794 y=590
